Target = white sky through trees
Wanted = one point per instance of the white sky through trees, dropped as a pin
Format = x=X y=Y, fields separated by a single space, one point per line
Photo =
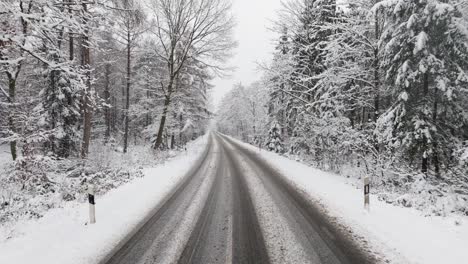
x=255 y=42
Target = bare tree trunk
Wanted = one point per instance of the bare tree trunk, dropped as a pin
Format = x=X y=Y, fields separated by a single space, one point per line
x=11 y=122
x=363 y=116
x=113 y=114
x=135 y=137
x=435 y=152
x=425 y=158
x=71 y=40
x=147 y=113
x=12 y=81
x=107 y=111
x=283 y=114
x=127 y=99
x=181 y=127
x=162 y=123
x=376 y=78
x=172 y=141
x=87 y=108
x=376 y=71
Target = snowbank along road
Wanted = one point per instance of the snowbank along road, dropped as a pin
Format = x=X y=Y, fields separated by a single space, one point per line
x=233 y=207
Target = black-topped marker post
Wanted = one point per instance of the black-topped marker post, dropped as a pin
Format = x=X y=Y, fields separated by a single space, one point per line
x=92 y=209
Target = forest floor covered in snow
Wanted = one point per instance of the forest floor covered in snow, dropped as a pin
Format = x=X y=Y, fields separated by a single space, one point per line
x=29 y=188
x=129 y=186
x=399 y=232
x=397 y=183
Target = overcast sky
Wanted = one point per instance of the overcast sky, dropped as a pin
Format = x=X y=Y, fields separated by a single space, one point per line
x=255 y=41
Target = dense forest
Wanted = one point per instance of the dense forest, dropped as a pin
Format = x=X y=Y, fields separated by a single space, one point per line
x=73 y=71
x=92 y=90
x=377 y=86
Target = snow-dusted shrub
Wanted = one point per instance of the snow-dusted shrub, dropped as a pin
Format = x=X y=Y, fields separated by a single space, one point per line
x=31 y=186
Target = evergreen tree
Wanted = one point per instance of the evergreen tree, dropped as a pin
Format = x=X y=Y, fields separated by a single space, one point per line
x=274 y=141
x=426 y=60
x=279 y=83
x=60 y=103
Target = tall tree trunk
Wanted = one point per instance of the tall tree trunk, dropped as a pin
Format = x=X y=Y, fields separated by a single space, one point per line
x=376 y=71
x=107 y=111
x=11 y=122
x=147 y=112
x=172 y=141
x=435 y=152
x=114 y=114
x=87 y=108
x=376 y=78
x=12 y=79
x=127 y=99
x=162 y=123
x=283 y=114
x=425 y=158
x=181 y=127
x=71 y=43
x=363 y=116
x=52 y=141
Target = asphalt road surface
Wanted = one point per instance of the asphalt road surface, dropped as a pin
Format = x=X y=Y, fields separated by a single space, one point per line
x=233 y=207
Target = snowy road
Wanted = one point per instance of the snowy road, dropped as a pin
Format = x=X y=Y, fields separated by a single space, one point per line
x=234 y=208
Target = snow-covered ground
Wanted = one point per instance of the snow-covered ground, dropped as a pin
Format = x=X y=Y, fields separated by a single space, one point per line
x=62 y=235
x=402 y=234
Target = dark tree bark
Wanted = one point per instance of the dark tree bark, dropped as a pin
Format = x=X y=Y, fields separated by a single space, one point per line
x=181 y=119
x=114 y=114
x=435 y=149
x=107 y=111
x=425 y=159
x=71 y=43
x=172 y=141
x=11 y=122
x=162 y=123
x=86 y=100
x=376 y=71
x=12 y=80
x=127 y=98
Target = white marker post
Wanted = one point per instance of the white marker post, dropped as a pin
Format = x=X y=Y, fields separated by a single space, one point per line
x=92 y=209
x=366 y=192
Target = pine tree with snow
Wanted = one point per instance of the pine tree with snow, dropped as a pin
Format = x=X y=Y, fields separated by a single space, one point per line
x=310 y=41
x=60 y=97
x=278 y=83
x=60 y=113
x=426 y=60
x=274 y=141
